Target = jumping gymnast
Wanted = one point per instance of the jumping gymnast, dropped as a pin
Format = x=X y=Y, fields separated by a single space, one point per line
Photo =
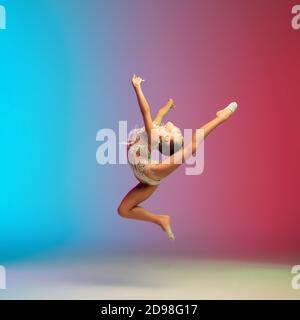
x=167 y=138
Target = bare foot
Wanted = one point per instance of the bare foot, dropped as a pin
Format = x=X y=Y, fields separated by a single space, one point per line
x=225 y=113
x=165 y=224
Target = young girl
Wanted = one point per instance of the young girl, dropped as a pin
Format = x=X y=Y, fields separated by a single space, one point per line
x=167 y=138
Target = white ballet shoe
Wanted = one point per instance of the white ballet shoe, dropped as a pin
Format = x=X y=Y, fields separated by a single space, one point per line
x=170 y=234
x=232 y=107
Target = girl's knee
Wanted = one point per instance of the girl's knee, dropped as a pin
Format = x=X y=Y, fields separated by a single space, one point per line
x=123 y=211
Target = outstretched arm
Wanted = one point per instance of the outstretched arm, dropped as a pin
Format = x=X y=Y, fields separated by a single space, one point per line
x=163 y=111
x=144 y=106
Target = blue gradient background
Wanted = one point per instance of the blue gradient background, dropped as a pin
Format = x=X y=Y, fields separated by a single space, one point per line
x=62 y=76
x=36 y=82
x=65 y=74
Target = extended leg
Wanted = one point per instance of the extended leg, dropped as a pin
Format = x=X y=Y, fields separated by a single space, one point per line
x=162 y=170
x=129 y=207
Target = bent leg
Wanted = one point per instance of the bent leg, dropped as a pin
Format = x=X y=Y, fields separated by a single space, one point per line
x=129 y=208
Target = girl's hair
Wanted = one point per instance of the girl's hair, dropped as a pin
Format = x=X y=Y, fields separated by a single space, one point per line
x=166 y=148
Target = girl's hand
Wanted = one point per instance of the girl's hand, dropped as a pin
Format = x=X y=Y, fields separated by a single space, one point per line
x=136 y=81
x=171 y=103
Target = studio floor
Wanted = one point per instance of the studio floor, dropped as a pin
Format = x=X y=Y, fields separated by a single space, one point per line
x=147 y=278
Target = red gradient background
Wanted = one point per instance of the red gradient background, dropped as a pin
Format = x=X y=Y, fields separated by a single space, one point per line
x=205 y=54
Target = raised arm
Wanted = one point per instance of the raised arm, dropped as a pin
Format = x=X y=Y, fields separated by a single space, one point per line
x=144 y=106
x=163 y=111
